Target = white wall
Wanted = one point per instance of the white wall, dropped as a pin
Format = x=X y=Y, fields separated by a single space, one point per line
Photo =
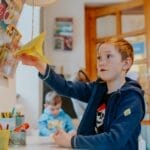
x=70 y=60
x=7 y=95
x=27 y=81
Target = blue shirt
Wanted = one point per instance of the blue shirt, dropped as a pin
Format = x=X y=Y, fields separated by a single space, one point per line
x=48 y=123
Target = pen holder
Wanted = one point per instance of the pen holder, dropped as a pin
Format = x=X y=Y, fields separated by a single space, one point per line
x=17 y=138
x=11 y=122
x=4 y=139
x=20 y=120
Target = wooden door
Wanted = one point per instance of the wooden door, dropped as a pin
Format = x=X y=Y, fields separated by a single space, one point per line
x=114 y=12
x=114 y=20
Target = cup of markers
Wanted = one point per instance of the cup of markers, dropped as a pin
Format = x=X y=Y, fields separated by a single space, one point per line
x=20 y=118
x=6 y=118
x=12 y=129
x=18 y=135
x=4 y=138
x=13 y=118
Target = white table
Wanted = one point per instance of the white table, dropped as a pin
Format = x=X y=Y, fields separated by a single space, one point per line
x=38 y=143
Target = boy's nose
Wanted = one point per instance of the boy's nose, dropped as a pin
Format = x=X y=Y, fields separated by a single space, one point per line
x=55 y=112
x=102 y=62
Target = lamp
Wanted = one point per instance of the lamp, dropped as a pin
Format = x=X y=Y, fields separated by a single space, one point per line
x=40 y=3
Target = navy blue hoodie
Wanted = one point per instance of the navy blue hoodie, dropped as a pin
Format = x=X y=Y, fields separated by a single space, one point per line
x=122 y=122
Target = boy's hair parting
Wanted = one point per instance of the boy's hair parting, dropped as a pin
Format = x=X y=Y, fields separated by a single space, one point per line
x=123 y=46
x=52 y=98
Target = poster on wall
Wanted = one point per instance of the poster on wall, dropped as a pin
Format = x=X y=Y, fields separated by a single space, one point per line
x=63 y=34
x=10 y=36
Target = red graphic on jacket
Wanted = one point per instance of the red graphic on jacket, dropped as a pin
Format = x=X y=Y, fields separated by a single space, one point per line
x=100 y=114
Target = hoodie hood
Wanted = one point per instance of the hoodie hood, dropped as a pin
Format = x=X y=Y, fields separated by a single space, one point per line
x=132 y=84
x=135 y=86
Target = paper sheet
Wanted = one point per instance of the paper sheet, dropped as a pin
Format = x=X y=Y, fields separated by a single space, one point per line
x=34 y=48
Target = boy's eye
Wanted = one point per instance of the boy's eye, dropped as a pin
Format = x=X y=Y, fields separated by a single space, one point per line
x=109 y=55
x=98 y=57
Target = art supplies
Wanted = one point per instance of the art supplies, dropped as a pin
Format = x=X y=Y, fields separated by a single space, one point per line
x=17 y=138
x=13 y=111
x=4 y=139
x=5 y=115
x=16 y=128
x=19 y=120
x=18 y=135
x=7 y=127
x=8 y=123
x=11 y=119
x=1 y=127
x=22 y=127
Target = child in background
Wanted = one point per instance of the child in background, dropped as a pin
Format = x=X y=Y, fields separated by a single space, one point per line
x=78 y=105
x=54 y=117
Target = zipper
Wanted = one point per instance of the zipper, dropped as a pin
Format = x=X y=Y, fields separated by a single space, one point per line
x=109 y=108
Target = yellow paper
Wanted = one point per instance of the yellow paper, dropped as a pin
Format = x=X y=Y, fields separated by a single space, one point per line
x=4 y=139
x=34 y=48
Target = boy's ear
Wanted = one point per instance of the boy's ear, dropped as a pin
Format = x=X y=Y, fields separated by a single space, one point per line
x=127 y=63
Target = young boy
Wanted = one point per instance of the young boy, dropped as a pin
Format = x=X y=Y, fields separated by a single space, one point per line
x=54 y=117
x=112 y=119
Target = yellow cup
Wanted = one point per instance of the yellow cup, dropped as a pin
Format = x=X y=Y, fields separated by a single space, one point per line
x=4 y=139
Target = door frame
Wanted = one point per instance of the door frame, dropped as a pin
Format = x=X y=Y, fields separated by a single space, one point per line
x=92 y=13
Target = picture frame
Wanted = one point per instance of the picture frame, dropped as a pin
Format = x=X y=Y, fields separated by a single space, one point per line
x=59 y=43
x=63 y=34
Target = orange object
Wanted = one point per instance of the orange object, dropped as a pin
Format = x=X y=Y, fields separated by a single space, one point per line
x=1 y=128
x=22 y=127
x=145 y=122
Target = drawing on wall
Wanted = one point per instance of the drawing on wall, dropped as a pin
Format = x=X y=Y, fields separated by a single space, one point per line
x=10 y=11
x=63 y=34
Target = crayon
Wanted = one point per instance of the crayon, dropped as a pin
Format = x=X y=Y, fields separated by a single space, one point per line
x=7 y=126
x=13 y=111
x=1 y=128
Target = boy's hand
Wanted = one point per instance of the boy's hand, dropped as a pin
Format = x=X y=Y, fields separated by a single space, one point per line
x=32 y=61
x=28 y=59
x=72 y=133
x=62 y=138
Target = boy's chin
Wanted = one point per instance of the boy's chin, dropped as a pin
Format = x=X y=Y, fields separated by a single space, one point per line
x=55 y=115
x=105 y=79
